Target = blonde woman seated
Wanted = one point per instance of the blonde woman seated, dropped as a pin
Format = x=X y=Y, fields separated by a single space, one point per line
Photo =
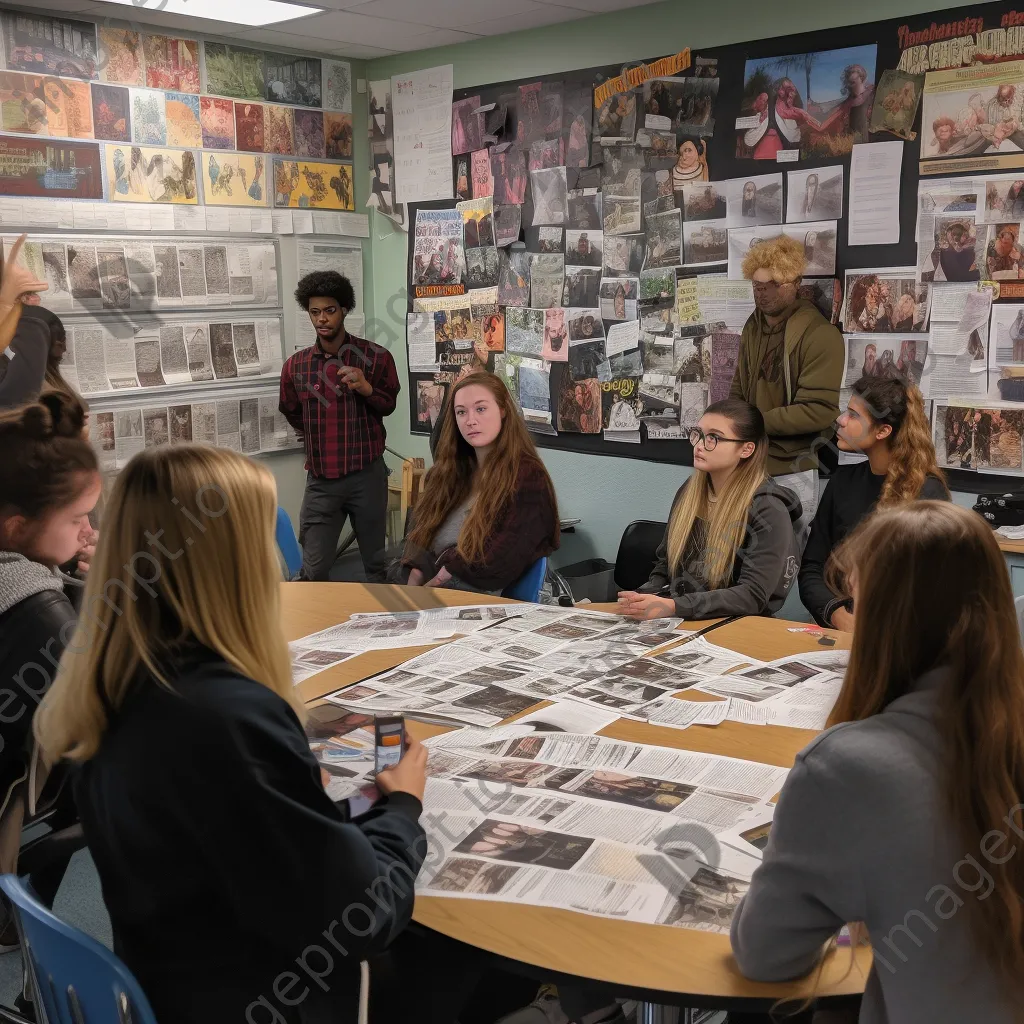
x=488 y=508
x=730 y=546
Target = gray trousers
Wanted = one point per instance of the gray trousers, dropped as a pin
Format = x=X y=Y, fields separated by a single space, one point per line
x=327 y=504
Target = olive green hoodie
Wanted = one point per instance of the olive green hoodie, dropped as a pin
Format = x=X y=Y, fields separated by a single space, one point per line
x=801 y=405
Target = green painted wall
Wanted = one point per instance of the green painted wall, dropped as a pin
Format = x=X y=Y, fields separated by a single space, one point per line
x=606 y=493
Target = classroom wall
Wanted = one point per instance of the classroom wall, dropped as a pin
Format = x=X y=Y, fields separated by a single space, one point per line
x=606 y=493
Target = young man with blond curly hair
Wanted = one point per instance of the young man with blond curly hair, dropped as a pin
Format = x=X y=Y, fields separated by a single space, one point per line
x=790 y=366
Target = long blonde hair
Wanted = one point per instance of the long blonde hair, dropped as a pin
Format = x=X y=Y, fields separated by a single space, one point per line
x=186 y=555
x=727 y=517
x=933 y=591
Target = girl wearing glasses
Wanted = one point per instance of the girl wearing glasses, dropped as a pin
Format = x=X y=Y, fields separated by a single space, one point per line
x=730 y=546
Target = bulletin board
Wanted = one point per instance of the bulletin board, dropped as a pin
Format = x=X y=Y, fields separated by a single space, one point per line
x=979 y=36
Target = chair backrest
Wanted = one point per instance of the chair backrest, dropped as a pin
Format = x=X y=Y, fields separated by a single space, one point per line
x=287 y=543
x=638 y=551
x=527 y=587
x=1018 y=603
x=412 y=481
x=75 y=978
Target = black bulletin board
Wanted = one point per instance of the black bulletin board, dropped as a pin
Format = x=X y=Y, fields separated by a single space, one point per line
x=935 y=30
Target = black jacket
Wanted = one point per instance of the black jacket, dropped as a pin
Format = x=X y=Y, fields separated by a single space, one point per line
x=850 y=495
x=30 y=647
x=223 y=861
x=762 y=574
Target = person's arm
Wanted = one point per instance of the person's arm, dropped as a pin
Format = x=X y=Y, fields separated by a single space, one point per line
x=26 y=366
x=768 y=544
x=288 y=404
x=738 y=387
x=385 y=385
x=818 y=599
x=808 y=885
x=303 y=868
x=815 y=404
x=517 y=540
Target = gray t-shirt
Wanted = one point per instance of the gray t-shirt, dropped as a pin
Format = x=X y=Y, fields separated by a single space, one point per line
x=447 y=535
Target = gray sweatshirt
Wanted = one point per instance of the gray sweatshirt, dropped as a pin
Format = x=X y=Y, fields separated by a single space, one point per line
x=860 y=835
x=764 y=570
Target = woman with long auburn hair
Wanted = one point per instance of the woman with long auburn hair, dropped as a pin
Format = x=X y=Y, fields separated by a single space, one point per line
x=905 y=817
x=730 y=546
x=488 y=508
x=885 y=420
x=219 y=852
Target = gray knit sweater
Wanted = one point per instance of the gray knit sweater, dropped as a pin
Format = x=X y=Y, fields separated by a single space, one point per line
x=860 y=834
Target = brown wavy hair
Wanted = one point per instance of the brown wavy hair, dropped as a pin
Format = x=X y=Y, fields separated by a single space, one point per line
x=455 y=474
x=893 y=401
x=933 y=592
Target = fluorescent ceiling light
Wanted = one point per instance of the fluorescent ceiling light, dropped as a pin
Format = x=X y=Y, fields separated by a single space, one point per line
x=255 y=13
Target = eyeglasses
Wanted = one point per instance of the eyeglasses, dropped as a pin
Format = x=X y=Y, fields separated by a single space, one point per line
x=710 y=441
x=767 y=287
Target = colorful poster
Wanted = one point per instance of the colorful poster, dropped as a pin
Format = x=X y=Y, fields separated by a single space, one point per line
x=309 y=134
x=120 y=56
x=278 y=130
x=291 y=79
x=233 y=71
x=68 y=108
x=57 y=170
x=217 y=119
x=338 y=135
x=183 y=124
x=301 y=184
x=337 y=85
x=234 y=179
x=111 y=113
x=974 y=112
x=818 y=103
x=137 y=175
x=483 y=183
x=50 y=46
x=249 y=134
x=22 y=104
x=149 y=117
x=171 y=63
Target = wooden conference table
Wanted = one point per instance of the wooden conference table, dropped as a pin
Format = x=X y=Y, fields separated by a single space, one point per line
x=674 y=966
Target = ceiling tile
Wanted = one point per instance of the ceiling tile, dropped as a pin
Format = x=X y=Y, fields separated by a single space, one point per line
x=550 y=14
x=357 y=51
x=438 y=37
x=274 y=38
x=446 y=13
x=605 y=6
x=335 y=28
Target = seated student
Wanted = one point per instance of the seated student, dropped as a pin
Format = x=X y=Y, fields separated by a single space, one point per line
x=488 y=508
x=730 y=546
x=910 y=806
x=885 y=419
x=49 y=483
x=221 y=857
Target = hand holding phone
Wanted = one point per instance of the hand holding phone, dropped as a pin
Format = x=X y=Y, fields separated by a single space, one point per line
x=409 y=775
x=388 y=741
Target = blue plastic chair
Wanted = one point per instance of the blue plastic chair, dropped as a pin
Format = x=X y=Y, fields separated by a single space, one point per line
x=527 y=587
x=287 y=543
x=75 y=978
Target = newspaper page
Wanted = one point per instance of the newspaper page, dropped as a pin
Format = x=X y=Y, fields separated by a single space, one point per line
x=89 y=359
x=228 y=426
x=128 y=440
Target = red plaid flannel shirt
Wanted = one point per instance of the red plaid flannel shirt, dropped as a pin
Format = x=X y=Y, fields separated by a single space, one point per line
x=343 y=431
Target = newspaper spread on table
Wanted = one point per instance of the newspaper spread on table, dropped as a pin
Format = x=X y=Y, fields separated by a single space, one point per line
x=592 y=824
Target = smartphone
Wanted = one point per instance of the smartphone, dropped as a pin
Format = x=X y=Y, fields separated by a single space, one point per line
x=389 y=741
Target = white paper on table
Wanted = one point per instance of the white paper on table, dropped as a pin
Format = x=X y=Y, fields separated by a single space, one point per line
x=875 y=179
x=569 y=716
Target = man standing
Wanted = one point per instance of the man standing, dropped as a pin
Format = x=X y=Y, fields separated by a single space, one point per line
x=790 y=366
x=336 y=394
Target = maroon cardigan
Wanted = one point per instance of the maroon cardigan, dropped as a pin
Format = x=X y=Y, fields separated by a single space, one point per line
x=526 y=529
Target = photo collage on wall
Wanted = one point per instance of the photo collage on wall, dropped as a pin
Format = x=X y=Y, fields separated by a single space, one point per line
x=624 y=207
x=165 y=119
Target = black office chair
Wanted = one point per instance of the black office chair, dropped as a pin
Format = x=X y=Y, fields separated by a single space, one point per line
x=637 y=553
